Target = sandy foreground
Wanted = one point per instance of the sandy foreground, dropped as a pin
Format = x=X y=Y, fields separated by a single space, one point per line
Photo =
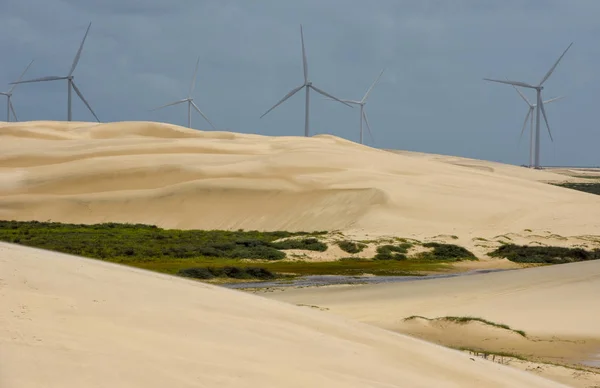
x=556 y=307
x=89 y=173
x=73 y=322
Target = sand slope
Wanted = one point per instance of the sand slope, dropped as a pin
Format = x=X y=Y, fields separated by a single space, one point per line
x=74 y=322
x=83 y=172
x=553 y=300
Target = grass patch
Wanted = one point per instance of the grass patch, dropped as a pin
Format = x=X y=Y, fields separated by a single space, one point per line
x=392 y=252
x=465 y=320
x=487 y=353
x=351 y=246
x=591 y=188
x=544 y=255
x=447 y=252
x=227 y=272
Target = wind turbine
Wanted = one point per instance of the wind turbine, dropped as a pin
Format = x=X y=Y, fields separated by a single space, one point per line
x=190 y=101
x=539 y=104
x=363 y=113
x=530 y=115
x=9 y=105
x=70 y=82
x=307 y=85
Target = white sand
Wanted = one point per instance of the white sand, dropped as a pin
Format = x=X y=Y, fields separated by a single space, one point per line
x=74 y=322
x=82 y=172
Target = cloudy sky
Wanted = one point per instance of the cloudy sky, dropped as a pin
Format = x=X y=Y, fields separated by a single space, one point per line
x=141 y=53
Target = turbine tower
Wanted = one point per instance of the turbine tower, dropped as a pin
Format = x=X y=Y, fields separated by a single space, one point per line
x=190 y=101
x=363 y=113
x=70 y=81
x=539 y=104
x=530 y=115
x=307 y=85
x=9 y=105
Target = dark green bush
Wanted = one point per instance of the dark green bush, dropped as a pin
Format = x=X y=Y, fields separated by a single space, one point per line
x=351 y=246
x=227 y=272
x=592 y=188
x=449 y=252
x=308 y=244
x=544 y=255
x=392 y=252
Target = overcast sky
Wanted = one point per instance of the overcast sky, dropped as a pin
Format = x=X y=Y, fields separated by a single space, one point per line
x=141 y=53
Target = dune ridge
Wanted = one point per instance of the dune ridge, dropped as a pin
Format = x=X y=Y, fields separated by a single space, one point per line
x=88 y=173
x=72 y=322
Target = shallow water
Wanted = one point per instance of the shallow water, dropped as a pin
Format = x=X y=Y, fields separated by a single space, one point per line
x=327 y=280
x=595 y=362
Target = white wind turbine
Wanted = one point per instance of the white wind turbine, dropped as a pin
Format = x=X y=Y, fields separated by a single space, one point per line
x=9 y=105
x=307 y=85
x=190 y=101
x=363 y=113
x=528 y=116
x=539 y=104
x=70 y=82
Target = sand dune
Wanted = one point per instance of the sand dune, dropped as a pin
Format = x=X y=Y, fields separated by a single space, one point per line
x=84 y=172
x=555 y=306
x=74 y=322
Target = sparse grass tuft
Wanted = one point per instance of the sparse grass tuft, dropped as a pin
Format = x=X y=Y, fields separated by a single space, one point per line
x=465 y=320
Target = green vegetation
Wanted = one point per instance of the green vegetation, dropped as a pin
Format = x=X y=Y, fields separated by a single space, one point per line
x=447 y=252
x=226 y=272
x=465 y=320
x=544 y=255
x=392 y=252
x=487 y=353
x=193 y=252
x=592 y=188
x=351 y=246
x=307 y=244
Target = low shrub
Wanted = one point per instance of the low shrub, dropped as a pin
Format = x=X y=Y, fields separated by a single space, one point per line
x=392 y=252
x=544 y=255
x=448 y=252
x=351 y=246
x=227 y=272
x=307 y=244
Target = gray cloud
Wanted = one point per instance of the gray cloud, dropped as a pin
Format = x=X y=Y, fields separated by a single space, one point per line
x=141 y=54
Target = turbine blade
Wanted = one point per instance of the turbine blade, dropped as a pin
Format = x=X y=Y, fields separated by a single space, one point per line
x=12 y=108
x=348 y=101
x=193 y=85
x=42 y=79
x=78 y=55
x=522 y=95
x=304 y=61
x=316 y=89
x=515 y=83
x=546 y=120
x=368 y=126
x=169 y=104
x=373 y=85
x=553 y=99
x=290 y=94
x=549 y=73
x=202 y=114
x=525 y=124
x=83 y=99
x=20 y=77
